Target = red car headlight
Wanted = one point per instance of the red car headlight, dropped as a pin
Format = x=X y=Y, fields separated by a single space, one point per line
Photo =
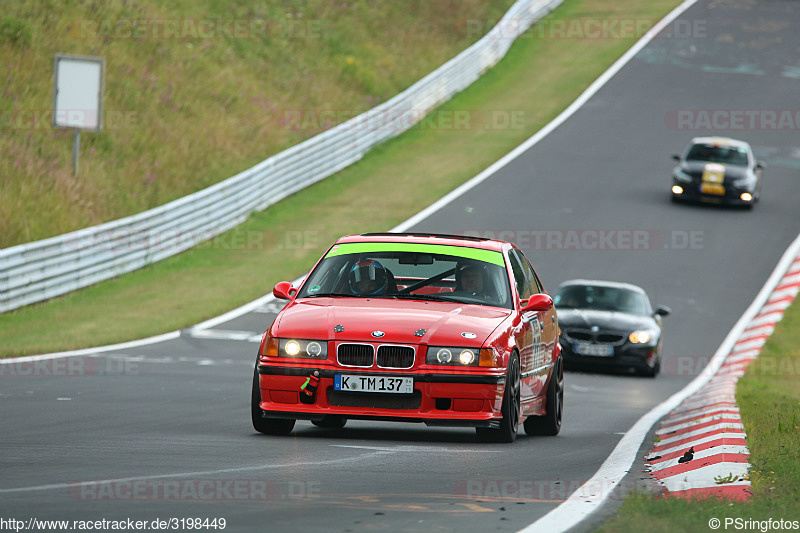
x=460 y=356
x=293 y=348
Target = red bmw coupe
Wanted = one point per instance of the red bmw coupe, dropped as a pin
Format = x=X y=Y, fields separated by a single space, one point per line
x=442 y=329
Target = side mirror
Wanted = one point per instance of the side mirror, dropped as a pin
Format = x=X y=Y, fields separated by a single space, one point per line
x=760 y=165
x=537 y=302
x=676 y=157
x=284 y=291
x=662 y=310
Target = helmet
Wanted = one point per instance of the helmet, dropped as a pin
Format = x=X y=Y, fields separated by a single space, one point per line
x=367 y=278
x=473 y=270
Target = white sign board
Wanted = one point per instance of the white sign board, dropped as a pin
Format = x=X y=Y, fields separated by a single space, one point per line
x=78 y=92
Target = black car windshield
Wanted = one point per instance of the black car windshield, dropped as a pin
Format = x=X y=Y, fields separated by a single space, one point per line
x=601 y=298
x=407 y=271
x=728 y=155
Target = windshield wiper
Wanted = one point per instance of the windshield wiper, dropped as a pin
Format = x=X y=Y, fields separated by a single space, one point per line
x=429 y=297
x=325 y=294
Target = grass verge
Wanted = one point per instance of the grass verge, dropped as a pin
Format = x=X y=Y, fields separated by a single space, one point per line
x=541 y=75
x=769 y=399
x=197 y=91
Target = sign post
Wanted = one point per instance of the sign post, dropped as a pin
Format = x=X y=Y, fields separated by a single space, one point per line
x=78 y=97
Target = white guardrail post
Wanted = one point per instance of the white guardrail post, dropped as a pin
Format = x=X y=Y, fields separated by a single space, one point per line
x=36 y=271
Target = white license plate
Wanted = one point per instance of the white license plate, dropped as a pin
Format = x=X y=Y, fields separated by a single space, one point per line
x=598 y=350
x=361 y=383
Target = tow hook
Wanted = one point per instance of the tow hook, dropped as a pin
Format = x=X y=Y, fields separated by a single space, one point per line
x=309 y=389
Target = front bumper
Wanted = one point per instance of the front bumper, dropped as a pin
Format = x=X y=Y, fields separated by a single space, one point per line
x=439 y=398
x=691 y=192
x=625 y=357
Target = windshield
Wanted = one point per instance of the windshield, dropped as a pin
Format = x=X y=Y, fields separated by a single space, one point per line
x=407 y=271
x=729 y=155
x=601 y=298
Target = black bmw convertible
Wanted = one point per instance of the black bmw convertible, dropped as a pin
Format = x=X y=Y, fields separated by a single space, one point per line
x=609 y=325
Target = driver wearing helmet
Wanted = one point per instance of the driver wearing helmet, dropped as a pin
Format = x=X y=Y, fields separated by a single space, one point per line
x=470 y=281
x=368 y=278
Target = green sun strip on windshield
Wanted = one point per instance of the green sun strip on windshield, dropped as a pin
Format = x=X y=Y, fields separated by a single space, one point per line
x=487 y=256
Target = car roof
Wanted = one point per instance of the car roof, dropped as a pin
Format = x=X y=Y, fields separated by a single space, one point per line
x=602 y=283
x=721 y=141
x=427 y=238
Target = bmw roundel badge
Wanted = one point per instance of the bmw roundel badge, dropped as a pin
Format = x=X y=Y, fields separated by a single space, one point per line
x=378 y=334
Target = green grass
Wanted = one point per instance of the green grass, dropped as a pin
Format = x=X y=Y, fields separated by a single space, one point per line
x=539 y=77
x=183 y=113
x=769 y=399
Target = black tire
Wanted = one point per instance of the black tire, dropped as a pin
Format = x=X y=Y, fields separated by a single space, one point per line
x=550 y=423
x=331 y=422
x=507 y=432
x=267 y=426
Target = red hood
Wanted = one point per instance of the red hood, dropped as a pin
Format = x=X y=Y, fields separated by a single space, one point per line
x=398 y=319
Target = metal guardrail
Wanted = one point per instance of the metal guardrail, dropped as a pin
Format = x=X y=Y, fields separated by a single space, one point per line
x=41 y=270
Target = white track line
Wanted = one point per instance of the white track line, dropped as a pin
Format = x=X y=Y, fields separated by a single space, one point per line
x=91 y=351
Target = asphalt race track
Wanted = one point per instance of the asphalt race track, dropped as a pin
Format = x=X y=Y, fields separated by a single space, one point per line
x=162 y=431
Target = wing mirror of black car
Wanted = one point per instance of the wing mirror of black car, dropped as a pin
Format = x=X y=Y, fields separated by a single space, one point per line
x=284 y=291
x=676 y=157
x=537 y=302
x=662 y=310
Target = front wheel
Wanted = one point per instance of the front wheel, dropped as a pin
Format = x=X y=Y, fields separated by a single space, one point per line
x=507 y=432
x=550 y=423
x=267 y=426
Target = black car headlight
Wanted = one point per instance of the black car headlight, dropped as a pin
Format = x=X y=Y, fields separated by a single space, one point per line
x=643 y=336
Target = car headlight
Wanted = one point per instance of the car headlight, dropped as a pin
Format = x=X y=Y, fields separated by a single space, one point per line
x=459 y=356
x=295 y=348
x=642 y=336
x=681 y=176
